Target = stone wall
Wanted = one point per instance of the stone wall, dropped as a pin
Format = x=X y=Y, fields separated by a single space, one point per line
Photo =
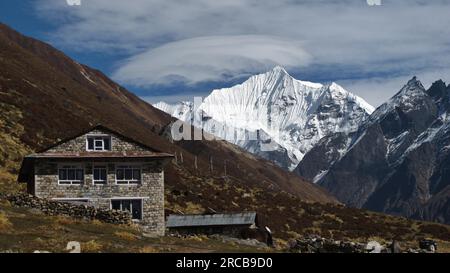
x=118 y=144
x=150 y=190
x=77 y=211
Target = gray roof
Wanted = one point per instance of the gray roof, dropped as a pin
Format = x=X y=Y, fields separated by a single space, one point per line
x=246 y=218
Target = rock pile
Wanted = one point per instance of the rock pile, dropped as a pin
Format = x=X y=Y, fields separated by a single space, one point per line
x=316 y=244
x=49 y=207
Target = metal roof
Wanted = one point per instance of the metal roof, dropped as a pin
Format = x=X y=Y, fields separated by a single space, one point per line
x=99 y=155
x=245 y=218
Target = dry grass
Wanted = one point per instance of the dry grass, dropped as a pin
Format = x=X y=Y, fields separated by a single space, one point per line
x=128 y=236
x=192 y=208
x=64 y=220
x=198 y=238
x=91 y=247
x=5 y=224
x=443 y=246
x=148 y=249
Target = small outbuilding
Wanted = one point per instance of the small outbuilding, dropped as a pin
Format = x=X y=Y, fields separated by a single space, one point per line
x=226 y=224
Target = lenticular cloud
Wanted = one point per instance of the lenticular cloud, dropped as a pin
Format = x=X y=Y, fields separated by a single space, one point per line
x=213 y=58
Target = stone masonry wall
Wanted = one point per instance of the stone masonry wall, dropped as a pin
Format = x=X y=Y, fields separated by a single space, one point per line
x=118 y=144
x=60 y=208
x=151 y=189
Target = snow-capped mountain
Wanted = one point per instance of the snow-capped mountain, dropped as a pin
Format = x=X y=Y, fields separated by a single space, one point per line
x=397 y=162
x=274 y=115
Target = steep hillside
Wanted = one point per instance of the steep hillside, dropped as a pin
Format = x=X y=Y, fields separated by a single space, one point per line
x=46 y=96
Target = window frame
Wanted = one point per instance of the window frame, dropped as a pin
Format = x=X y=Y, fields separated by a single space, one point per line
x=98 y=137
x=130 y=199
x=71 y=182
x=125 y=166
x=99 y=182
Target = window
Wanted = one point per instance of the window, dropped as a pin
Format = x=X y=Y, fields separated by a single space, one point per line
x=70 y=175
x=98 y=143
x=133 y=206
x=99 y=174
x=128 y=175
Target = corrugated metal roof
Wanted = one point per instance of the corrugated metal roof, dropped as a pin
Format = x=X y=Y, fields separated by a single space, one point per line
x=246 y=218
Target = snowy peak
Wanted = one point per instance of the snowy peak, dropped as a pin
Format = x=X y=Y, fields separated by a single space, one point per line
x=413 y=87
x=293 y=114
x=181 y=110
x=278 y=71
x=407 y=99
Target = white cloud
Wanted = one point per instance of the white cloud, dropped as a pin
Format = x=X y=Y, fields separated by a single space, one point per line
x=211 y=59
x=344 y=38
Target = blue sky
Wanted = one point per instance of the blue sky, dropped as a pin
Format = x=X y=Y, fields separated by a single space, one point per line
x=174 y=49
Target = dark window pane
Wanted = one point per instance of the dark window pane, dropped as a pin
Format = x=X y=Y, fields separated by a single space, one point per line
x=128 y=174
x=107 y=143
x=100 y=175
x=136 y=174
x=119 y=174
x=96 y=174
x=136 y=213
x=79 y=174
x=115 y=204
x=71 y=174
x=103 y=174
x=62 y=174
x=90 y=143
x=126 y=205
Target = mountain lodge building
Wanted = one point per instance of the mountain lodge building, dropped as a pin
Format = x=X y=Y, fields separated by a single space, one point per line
x=102 y=168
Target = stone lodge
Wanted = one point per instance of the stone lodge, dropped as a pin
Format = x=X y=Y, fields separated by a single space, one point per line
x=104 y=169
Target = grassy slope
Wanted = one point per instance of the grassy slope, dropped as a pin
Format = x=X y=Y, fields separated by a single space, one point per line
x=24 y=230
x=27 y=230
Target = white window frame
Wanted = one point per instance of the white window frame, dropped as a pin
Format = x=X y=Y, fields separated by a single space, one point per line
x=87 y=200
x=76 y=166
x=102 y=137
x=128 y=166
x=100 y=182
x=131 y=205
